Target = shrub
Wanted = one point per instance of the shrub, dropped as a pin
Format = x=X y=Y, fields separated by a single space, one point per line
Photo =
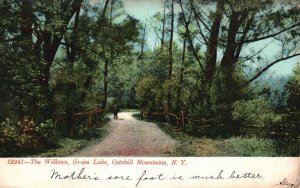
x=48 y=131
x=286 y=137
x=250 y=147
x=25 y=137
x=255 y=117
x=254 y=112
x=146 y=90
x=8 y=138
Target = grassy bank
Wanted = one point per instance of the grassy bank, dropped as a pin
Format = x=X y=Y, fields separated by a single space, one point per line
x=234 y=146
x=84 y=138
x=188 y=145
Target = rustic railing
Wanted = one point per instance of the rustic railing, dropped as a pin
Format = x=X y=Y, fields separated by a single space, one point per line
x=181 y=119
x=89 y=114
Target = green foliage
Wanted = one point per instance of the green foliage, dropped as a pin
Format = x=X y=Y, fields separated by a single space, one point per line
x=122 y=85
x=256 y=112
x=215 y=101
x=48 y=130
x=248 y=147
x=147 y=89
x=227 y=88
x=169 y=92
x=61 y=57
x=85 y=137
x=43 y=79
x=8 y=138
x=153 y=63
x=67 y=146
x=286 y=137
x=23 y=138
x=234 y=146
x=197 y=129
x=293 y=95
x=287 y=133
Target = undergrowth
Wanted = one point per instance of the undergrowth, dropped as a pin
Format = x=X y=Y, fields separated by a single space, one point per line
x=231 y=147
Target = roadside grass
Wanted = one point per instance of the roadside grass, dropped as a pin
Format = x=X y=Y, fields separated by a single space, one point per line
x=187 y=145
x=248 y=147
x=85 y=137
x=202 y=147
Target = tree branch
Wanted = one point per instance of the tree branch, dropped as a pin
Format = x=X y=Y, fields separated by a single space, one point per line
x=272 y=35
x=189 y=38
x=243 y=38
x=268 y=66
x=255 y=54
x=105 y=8
x=196 y=15
x=156 y=32
x=199 y=26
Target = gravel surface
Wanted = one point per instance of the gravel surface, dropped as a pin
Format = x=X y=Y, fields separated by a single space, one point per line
x=131 y=137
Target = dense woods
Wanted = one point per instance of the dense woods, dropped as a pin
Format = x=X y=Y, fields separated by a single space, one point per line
x=62 y=57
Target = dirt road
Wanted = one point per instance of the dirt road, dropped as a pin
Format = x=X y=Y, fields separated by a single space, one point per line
x=131 y=137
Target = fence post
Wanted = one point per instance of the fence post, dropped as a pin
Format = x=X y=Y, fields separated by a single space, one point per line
x=167 y=117
x=178 y=116
x=90 y=119
x=96 y=115
x=182 y=118
x=87 y=119
x=73 y=124
x=102 y=114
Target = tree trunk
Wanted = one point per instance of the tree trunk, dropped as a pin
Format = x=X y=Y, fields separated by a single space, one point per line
x=178 y=104
x=163 y=30
x=171 y=53
x=86 y=86
x=212 y=47
x=72 y=46
x=229 y=54
x=26 y=26
x=233 y=48
x=52 y=41
x=171 y=41
x=143 y=43
x=106 y=63
x=105 y=8
x=105 y=84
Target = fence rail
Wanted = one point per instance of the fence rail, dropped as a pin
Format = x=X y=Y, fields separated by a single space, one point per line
x=181 y=119
x=89 y=115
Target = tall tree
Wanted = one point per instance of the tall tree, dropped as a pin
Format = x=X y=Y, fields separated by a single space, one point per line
x=242 y=23
x=171 y=40
x=231 y=27
x=293 y=95
x=115 y=40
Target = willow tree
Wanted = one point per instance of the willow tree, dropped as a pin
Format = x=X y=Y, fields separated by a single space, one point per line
x=114 y=40
x=227 y=29
x=33 y=32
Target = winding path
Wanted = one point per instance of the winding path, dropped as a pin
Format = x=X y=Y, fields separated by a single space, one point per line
x=131 y=137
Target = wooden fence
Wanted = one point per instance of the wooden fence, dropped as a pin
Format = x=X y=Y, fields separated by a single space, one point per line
x=89 y=114
x=181 y=119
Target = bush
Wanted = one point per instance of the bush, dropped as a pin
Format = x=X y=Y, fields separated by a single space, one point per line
x=255 y=117
x=210 y=130
x=248 y=147
x=48 y=131
x=146 y=91
x=254 y=112
x=8 y=138
x=25 y=137
x=286 y=137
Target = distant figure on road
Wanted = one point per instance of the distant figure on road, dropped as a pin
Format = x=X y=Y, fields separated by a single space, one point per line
x=116 y=110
